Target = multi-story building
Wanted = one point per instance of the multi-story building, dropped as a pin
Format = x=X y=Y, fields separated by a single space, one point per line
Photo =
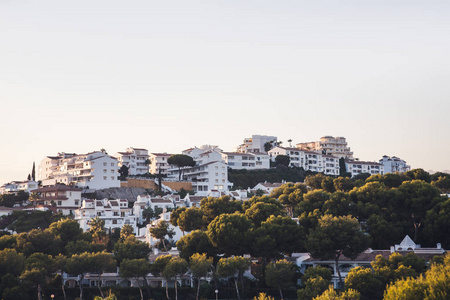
x=355 y=167
x=115 y=213
x=308 y=160
x=394 y=164
x=249 y=161
x=136 y=160
x=65 y=198
x=94 y=170
x=335 y=146
x=256 y=144
x=158 y=162
x=14 y=186
x=51 y=163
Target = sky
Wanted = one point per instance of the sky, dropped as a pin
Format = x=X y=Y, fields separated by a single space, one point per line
x=78 y=76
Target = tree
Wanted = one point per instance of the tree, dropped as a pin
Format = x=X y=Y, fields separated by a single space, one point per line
x=38 y=240
x=280 y=275
x=195 y=242
x=150 y=214
x=337 y=236
x=231 y=233
x=176 y=267
x=123 y=171
x=160 y=231
x=282 y=160
x=199 y=265
x=276 y=236
x=67 y=230
x=131 y=248
x=135 y=268
x=96 y=227
x=33 y=172
x=315 y=281
x=126 y=231
x=342 y=167
x=365 y=282
x=175 y=214
x=233 y=267
x=11 y=262
x=343 y=184
x=213 y=207
x=331 y=294
x=260 y=212
x=181 y=161
x=190 y=219
x=38 y=267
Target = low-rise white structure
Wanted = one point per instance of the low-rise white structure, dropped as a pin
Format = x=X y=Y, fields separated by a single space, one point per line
x=248 y=161
x=94 y=170
x=15 y=186
x=394 y=164
x=65 y=198
x=356 y=167
x=308 y=160
x=135 y=159
x=115 y=213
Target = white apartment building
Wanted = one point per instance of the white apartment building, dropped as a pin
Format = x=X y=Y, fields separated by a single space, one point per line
x=394 y=164
x=249 y=161
x=94 y=170
x=15 y=186
x=256 y=143
x=158 y=161
x=66 y=198
x=356 y=167
x=308 y=160
x=135 y=160
x=51 y=163
x=115 y=213
x=335 y=146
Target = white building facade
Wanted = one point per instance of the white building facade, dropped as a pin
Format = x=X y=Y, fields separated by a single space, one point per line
x=308 y=160
x=394 y=164
x=95 y=170
x=65 y=198
x=135 y=159
x=158 y=162
x=248 y=161
x=335 y=146
x=115 y=213
x=256 y=143
x=356 y=167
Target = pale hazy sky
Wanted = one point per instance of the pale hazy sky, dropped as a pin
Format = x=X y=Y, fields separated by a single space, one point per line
x=77 y=76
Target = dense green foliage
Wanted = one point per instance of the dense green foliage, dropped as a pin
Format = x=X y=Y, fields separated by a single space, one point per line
x=243 y=179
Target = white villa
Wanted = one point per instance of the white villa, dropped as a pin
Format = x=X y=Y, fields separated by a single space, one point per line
x=248 y=161
x=65 y=198
x=15 y=186
x=305 y=260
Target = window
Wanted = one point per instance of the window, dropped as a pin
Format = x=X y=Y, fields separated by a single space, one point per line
x=114 y=221
x=116 y=213
x=112 y=171
x=76 y=202
x=112 y=177
x=104 y=164
x=105 y=171
x=105 y=177
x=122 y=214
x=112 y=164
x=59 y=203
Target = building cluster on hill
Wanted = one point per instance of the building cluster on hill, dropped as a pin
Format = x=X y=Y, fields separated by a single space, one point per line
x=99 y=170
